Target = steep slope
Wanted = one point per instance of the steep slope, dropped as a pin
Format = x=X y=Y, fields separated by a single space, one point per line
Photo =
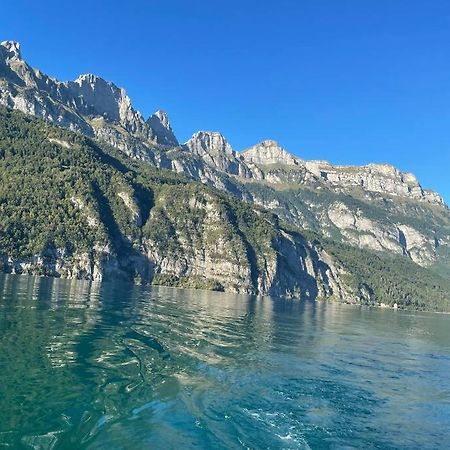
x=373 y=207
x=89 y=105
x=417 y=230
x=71 y=207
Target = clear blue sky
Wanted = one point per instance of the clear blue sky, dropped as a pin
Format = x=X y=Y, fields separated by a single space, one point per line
x=350 y=81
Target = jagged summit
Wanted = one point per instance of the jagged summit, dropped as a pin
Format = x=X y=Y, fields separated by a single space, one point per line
x=98 y=97
x=89 y=77
x=90 y=105
x=95 y=82
x=159 y=122
x=163 y=118
x=100 y=109
x=209 y=141
x=269 y=152
x=10 y=50
x=217 y=158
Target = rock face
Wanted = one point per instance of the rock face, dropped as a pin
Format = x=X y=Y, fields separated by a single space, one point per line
x=279 y=264
x=209 y=142
x=393 y=237
x=89 y=105
x=159 y=123
x=215 y=151
x=269 y=153
x=380 y=178
x=327 y=198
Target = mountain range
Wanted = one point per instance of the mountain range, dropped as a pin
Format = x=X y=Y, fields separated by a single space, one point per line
x=201 y=214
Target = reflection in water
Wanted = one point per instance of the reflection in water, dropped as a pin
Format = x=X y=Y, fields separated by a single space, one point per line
x=112 y=365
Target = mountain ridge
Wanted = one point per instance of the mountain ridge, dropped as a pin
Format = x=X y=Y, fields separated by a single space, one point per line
x=101 y=98
x=375 y=206
x=75 y=208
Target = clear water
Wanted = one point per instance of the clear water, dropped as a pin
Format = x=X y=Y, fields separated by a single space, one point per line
x=114 y=366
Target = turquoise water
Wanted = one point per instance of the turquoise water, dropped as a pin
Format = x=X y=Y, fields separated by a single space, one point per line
x=111 y=366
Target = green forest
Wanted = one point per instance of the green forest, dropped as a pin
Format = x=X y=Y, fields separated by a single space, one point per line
x=62 y=191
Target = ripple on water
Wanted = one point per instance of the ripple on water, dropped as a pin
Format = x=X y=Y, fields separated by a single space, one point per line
x=111 y=365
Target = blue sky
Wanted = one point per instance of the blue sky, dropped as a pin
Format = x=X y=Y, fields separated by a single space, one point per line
x=350 y=81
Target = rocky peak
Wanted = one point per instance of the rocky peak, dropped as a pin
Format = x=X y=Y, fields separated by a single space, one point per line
x=268 y=153
x=74 y=104
x=12 y=67
x=101 y=98
x=10 y=51
x=380 y=178
x=88 y=78
x=163 y=118
x=160 y=124
x=204 y=142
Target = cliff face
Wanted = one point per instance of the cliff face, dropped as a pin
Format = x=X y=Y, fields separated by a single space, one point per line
x=89 y=105
x=378 y=178
x=244 y=250
x=102 y=215
x=269 y=153
x=375 y=206
x=210 y=249
x=98 y=108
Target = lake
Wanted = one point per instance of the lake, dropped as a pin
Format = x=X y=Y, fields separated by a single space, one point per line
x=117 y=366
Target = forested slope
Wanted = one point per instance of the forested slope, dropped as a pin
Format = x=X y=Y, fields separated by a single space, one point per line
x=71 y=207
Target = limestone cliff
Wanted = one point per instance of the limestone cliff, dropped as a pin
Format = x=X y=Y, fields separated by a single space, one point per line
x=104 y=215
x=374 y=206
x=90 y=105
x=269 y=153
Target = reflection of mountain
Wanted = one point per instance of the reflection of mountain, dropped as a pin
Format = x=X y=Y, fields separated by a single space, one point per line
x=29 y=329
x=219 y=325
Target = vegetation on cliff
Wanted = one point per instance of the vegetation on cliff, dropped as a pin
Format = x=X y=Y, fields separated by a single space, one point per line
x=63 y=194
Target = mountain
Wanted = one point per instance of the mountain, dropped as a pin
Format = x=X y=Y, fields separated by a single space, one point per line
x=73 y=207
x=82 y=210
x=374 y=208
x=89 y=105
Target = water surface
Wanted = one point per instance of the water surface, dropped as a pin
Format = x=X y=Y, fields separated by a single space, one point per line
x=116 y=366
